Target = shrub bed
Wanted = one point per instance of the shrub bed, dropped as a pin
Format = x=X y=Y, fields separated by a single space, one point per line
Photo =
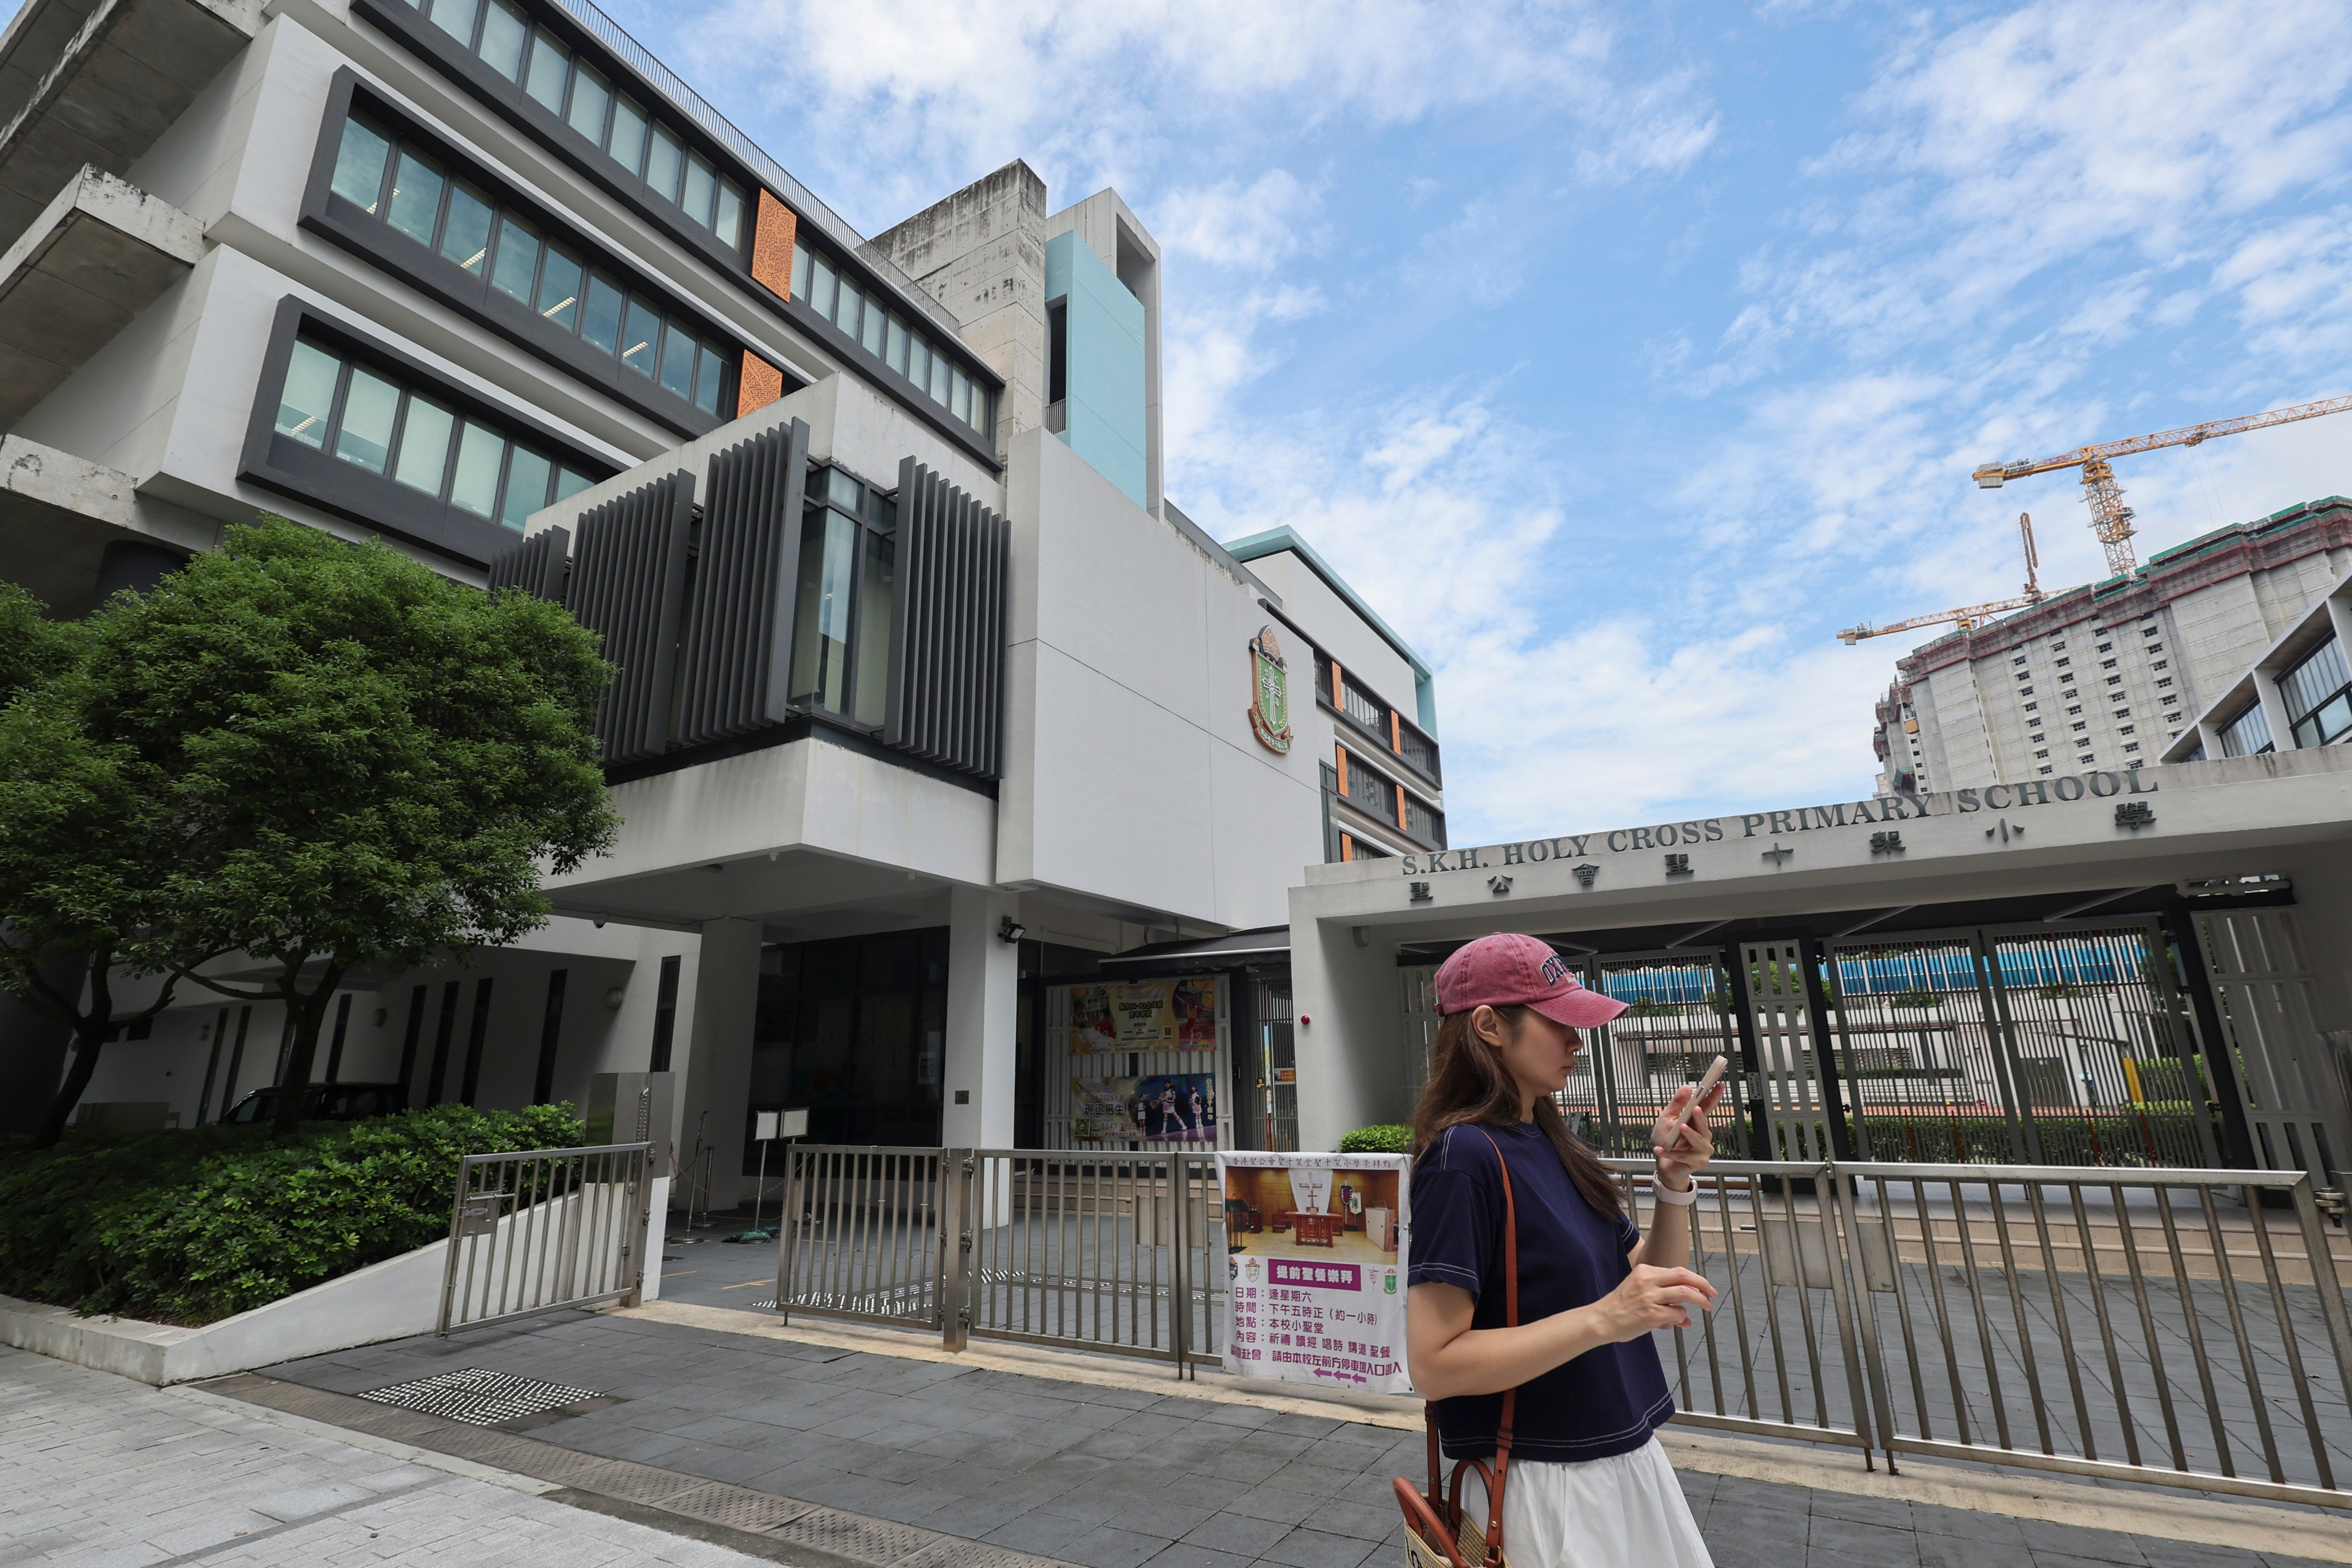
x=192 y=1226
x=1382 y=1137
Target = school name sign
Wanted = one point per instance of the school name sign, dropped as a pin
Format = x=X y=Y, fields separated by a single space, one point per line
x=1881 y=812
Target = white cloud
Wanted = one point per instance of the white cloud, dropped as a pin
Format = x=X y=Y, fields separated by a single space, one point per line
x=917 y=96
x=1251 y=227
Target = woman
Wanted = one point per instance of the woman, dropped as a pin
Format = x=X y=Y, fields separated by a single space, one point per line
x=1587 y=1485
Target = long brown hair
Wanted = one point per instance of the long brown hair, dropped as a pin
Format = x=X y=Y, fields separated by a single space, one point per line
x=1468 y=1085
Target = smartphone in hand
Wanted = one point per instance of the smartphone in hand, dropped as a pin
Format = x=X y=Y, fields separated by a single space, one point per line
x=1713 y=1075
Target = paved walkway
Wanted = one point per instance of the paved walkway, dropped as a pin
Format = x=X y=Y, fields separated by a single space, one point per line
x=1122 y=1469
x=96 y=1470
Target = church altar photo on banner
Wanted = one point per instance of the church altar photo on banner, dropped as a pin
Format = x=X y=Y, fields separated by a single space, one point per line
x=1316 y=1248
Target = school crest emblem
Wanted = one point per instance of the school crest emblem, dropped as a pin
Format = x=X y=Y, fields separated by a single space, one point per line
x=1270 y=682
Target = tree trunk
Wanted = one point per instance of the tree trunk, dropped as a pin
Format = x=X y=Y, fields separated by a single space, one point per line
x=90 y=1036
x=307 y=1012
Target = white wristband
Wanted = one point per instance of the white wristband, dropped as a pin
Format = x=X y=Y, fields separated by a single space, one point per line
x=1666 y=1194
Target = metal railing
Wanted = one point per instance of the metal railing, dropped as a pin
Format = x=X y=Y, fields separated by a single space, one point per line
x=543 y=1229
x=1110 y=1252
x=862 y=1233
x=2181 y=1327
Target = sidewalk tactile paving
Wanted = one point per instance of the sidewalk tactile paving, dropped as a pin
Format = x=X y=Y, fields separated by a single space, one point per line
x=479 y=1397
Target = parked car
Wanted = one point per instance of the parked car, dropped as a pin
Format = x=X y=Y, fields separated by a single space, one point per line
x=323 y=1102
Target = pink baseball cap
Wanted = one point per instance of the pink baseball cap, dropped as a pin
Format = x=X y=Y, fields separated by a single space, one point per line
x=1504 y=970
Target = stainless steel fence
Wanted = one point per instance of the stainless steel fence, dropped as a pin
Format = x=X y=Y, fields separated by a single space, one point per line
x=862 y=1233
x=543 y=1229
x=2171 y=1326
x=1114 y=1252
x=2183 y=1326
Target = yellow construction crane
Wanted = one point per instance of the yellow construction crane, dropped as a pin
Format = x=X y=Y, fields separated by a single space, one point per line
x=1969 y=616
x=2110 y=518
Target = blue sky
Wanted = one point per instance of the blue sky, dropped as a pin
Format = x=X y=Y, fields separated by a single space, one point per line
x=1621 y=355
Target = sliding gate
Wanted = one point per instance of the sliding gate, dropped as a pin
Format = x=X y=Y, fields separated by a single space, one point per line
x=2062 y=1045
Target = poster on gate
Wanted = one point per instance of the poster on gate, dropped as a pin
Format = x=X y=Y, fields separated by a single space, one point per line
x=1151 y=1015
x=1315 y=1258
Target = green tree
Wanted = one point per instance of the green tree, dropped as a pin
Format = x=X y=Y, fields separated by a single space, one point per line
x=32 y=647
x=368 y=762
x=86 y=841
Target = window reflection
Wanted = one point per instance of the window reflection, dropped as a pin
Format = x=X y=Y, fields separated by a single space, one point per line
x=467 y=227
x=369 y=419
x=841 y=659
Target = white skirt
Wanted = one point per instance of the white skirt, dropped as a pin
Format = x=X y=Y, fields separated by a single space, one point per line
x=1624 y=1511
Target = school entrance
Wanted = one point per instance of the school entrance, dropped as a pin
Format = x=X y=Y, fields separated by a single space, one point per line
x=2069 y=1042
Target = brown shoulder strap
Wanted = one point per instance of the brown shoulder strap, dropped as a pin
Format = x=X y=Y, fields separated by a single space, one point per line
x=1510 y=1320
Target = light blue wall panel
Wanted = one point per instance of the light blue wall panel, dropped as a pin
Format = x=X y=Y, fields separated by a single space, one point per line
x=1104 y=413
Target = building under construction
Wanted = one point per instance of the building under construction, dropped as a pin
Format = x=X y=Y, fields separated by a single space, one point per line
x=2106 y=675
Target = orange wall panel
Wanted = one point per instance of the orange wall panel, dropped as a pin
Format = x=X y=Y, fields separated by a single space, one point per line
x=759 y=385
x=773 y=230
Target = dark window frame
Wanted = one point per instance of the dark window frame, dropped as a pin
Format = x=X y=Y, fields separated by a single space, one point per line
x=407 y=25
x=1319 y=661
x=371 y=238
x=867 y=520
x=900 y=387
x=318 y=477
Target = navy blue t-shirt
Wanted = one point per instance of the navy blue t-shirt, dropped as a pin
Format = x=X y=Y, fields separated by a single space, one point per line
x=1607 y=1400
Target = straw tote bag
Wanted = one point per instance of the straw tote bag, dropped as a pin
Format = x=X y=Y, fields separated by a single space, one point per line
x=1437 y=1533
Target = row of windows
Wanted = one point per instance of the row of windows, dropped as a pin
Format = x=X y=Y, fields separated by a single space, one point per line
x=2248 y=734
x=585 y=98
x=2318 y=693
x=412 y=192
x=1377 y=796
x=891 y=339
x=372 y=422
x=1339 y=689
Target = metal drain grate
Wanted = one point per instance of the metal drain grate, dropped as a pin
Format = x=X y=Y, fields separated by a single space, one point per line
x=847 y=1535
x=722 y=1503
x=479 y=1398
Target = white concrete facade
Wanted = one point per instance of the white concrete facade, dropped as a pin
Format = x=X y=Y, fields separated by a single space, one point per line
x=1136 y=804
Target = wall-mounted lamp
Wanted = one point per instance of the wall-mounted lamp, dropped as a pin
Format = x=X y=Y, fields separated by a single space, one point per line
x=1009 y=930
x=612 y=998
x=380 y=1014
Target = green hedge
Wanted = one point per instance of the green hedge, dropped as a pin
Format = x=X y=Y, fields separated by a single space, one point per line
x=192 y=1226
x=1383 y=1138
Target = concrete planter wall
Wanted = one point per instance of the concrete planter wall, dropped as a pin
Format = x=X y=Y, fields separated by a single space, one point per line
x=388 y=1301
x=393 y=1299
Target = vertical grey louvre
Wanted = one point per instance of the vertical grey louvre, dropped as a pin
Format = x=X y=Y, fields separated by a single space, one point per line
x=947 y=636
x=628 y=578
x=738 y=623
x=536 y=565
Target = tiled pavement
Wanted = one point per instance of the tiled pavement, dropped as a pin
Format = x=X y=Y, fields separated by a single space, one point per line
x=96 y=1471
x=1120 y=1476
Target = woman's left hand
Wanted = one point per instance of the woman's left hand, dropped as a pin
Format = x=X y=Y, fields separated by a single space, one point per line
x=1682 y=1150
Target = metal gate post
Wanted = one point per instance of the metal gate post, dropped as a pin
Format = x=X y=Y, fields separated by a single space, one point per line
x=1811 y=955
x=1179 y=1259
x=958 y=1169
x=449 y=1262
x=1849 y=1267
x=635 y=1219
x=1751 y=1054
x=2180 y=925
x=788 y=1233
x=2001 y=1032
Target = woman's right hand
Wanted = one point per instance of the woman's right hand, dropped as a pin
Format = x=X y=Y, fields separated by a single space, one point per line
x=1651 y=1299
